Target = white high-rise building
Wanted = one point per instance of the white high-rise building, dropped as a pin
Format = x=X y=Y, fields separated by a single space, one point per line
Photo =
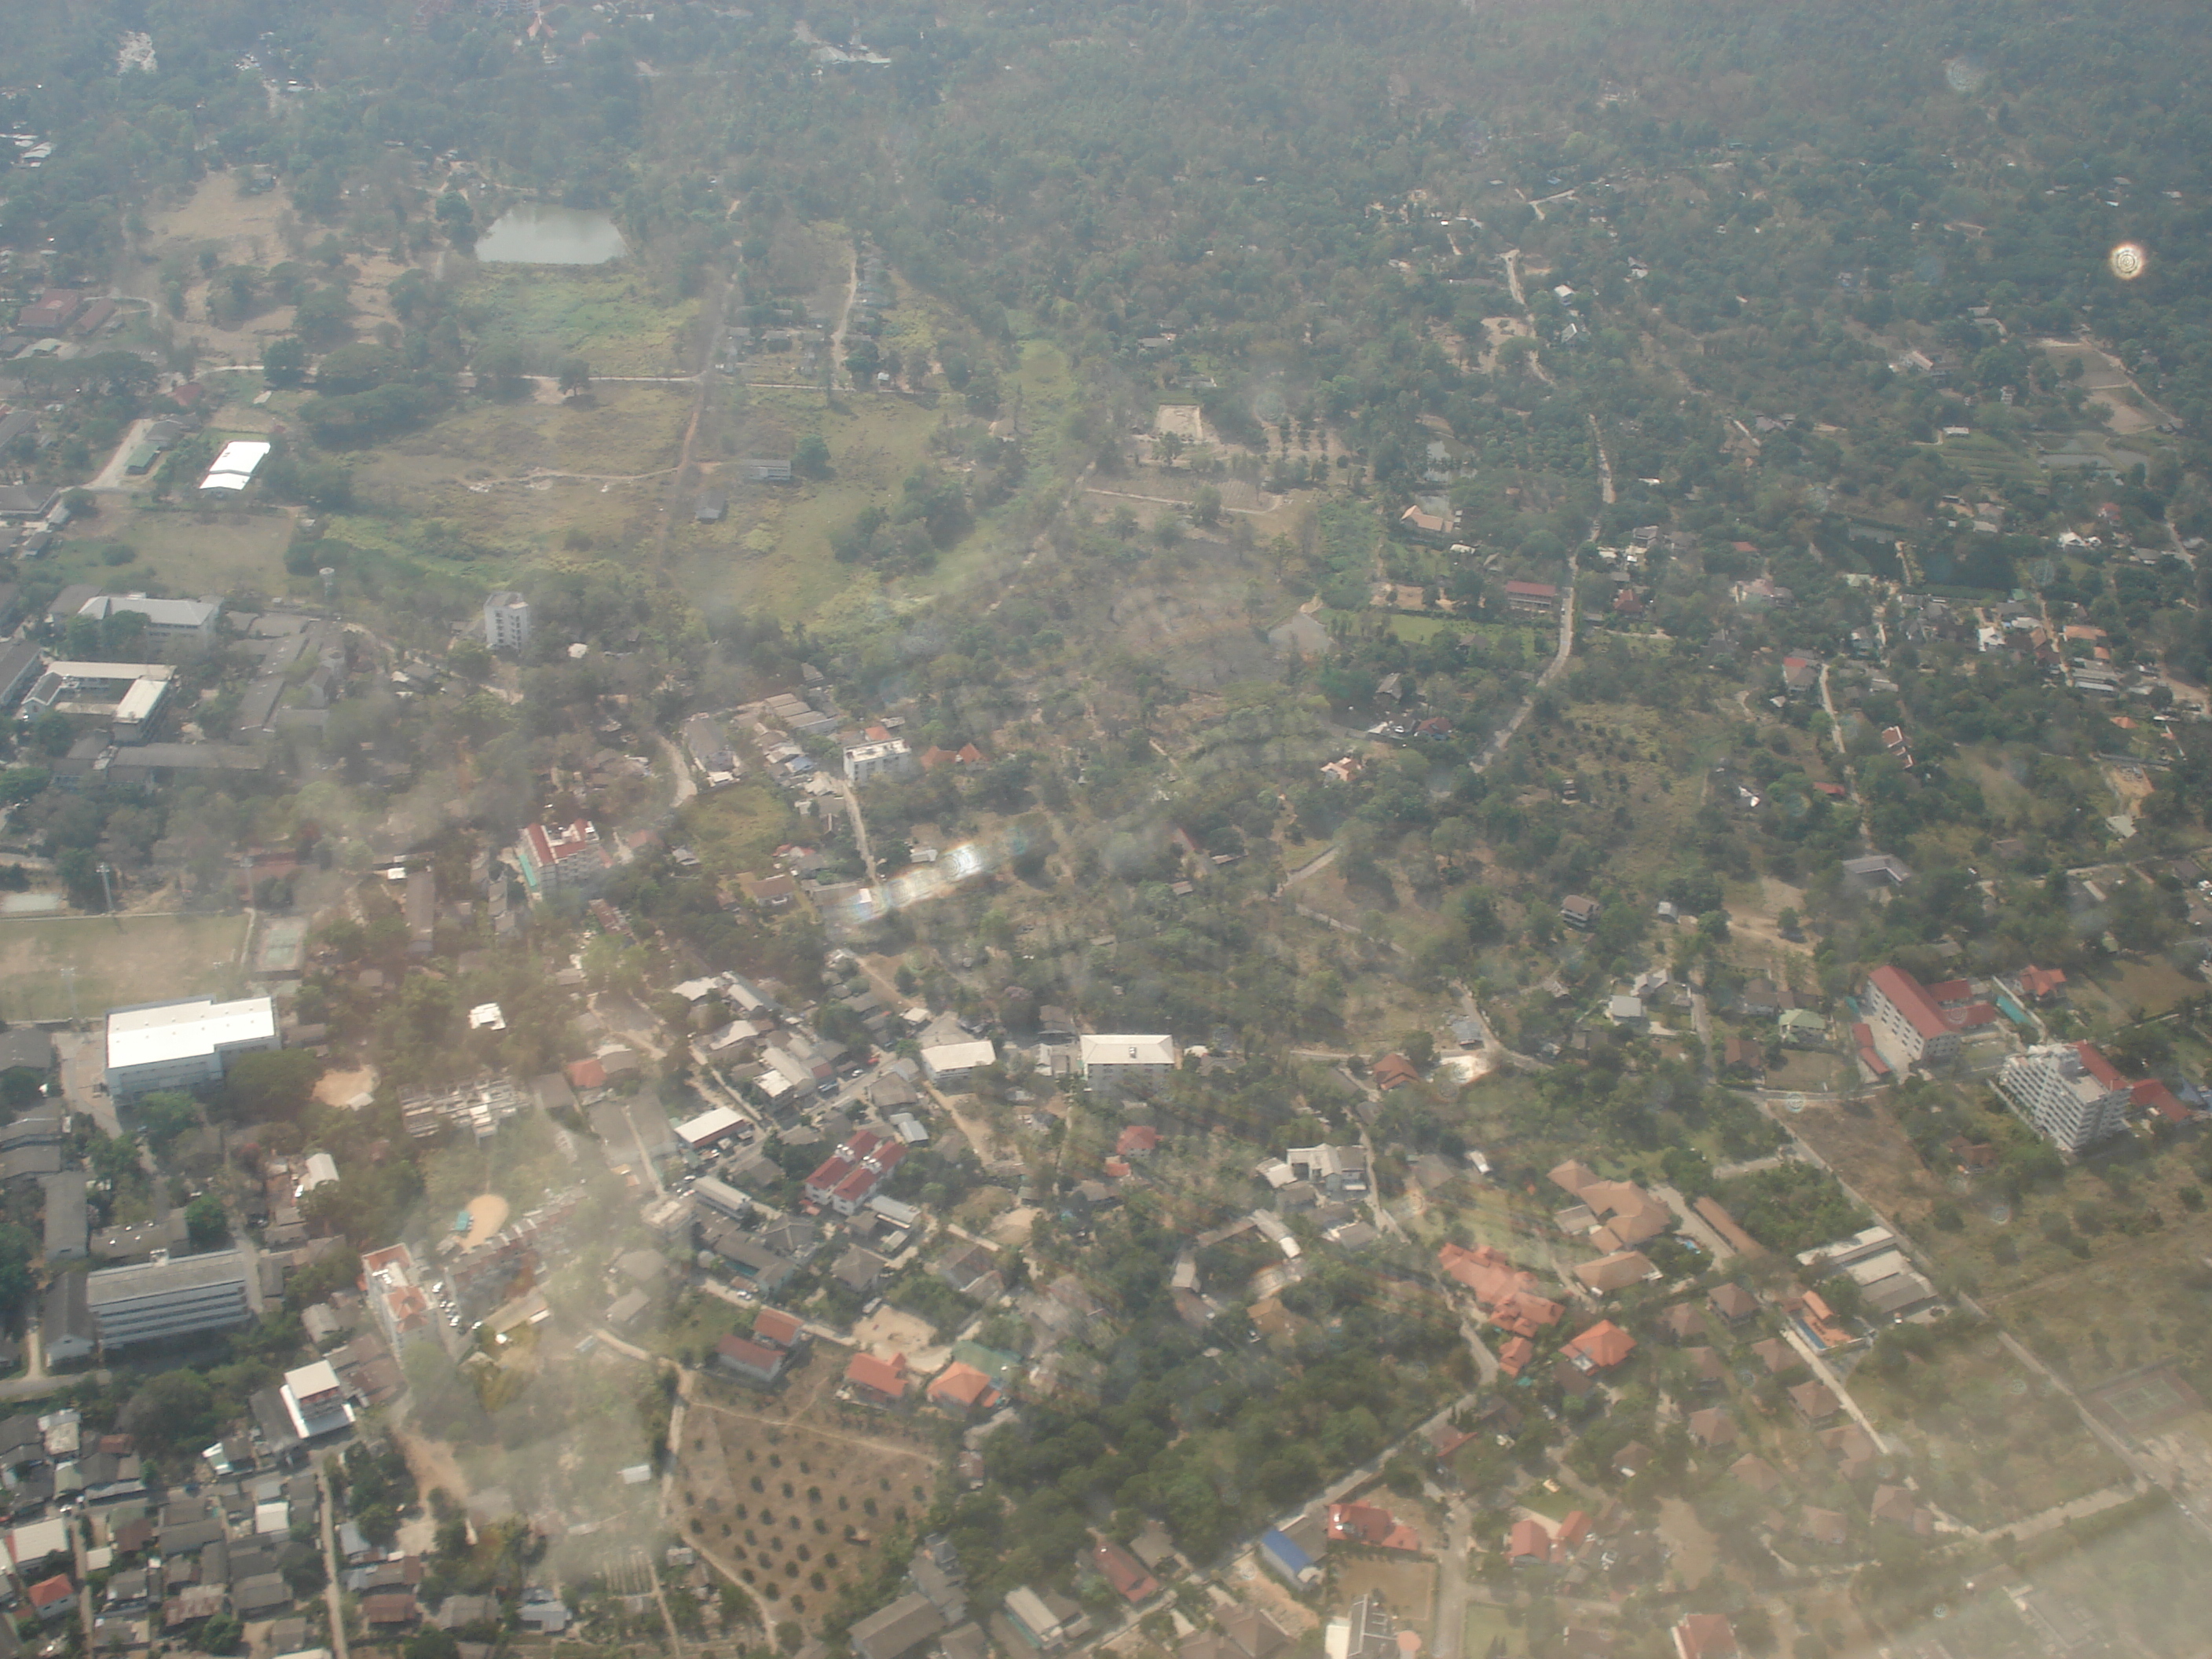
x=2069 y=1091
x=507 y=622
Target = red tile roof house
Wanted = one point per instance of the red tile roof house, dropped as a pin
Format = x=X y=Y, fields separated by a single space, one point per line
x=755 y=1362
x=881 y=1382
x=52 y=1598
x=1121 y=1569
x=1528 y=1545
x=1365 y=1523
x=1705 y=1635
x=1600 y=1348
x=849 y=1176
x=1394 y=1071
x=778 y=1329
x=961 y=1389
x=1138 y=1141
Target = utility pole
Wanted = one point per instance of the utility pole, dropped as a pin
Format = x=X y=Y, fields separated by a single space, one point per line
x=106 y=886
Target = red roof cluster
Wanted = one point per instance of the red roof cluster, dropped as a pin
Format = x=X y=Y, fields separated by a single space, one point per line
x=1366 y=1523
x=851 y=1173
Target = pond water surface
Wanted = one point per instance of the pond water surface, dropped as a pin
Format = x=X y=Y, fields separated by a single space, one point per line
x=534 y=234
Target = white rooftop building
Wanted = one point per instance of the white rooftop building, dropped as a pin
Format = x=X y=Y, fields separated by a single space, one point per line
x=1108 y=1058
x=887 y=759
x=234 y=467
x=184 y=1044
x=953 y=1063
x=2068 y=1090
x=315 y=1401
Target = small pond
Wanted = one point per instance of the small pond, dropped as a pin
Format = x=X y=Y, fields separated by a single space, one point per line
x=535 y=234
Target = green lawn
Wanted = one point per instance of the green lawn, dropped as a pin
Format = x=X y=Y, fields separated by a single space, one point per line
x=607 y=316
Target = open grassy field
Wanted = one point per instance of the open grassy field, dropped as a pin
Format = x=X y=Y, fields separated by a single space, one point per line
x=1487 y=1632
x=507 y=481
x=771 y=553
x=52 y=969
x=1994 y=1445
x=607 y=315
x=737 y=831
x=186 y=549
x=787 y=1492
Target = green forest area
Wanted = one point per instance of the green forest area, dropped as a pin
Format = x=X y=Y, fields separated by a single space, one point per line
x=1496 y=571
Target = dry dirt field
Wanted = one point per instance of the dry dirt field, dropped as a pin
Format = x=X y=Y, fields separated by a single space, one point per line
x=52 y=968
x=786 y=1492
x=248 y=230
x=1407 y=1587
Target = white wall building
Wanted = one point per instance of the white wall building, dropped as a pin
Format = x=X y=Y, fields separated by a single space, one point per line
x=1909 y=1027
x=315 y=1401
x=189 y=621
x=234 y=467
x=2068 y=1090
x=562 y=855
x=887 y=759
x=184 y=1044
x=951 y=1065
x=507 y=622
x=1107 y=1059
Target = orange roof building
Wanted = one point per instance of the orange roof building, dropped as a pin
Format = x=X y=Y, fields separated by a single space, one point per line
x=881 y=1380
x=777 y=1328
x=1125 y=1573
x=1600 y=1348
x=962 y=1389
x=1366 y=1523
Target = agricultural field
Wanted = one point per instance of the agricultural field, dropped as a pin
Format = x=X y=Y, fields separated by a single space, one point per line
x=527 y=479
x=786 y=1492
x=607 y=316
x=1989 y=461
x=65 y=967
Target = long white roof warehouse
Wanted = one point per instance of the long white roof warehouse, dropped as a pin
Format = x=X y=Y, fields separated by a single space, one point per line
x=178 y=1045
x=234 y=468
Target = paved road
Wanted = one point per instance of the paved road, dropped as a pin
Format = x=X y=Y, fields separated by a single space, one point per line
x=331 y=1600
x=1843 y=758
x=686 y=785
x=83 y=1065
x=1450 y=1624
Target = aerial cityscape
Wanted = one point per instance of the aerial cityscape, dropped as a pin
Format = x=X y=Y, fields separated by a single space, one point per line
x=1200 y=830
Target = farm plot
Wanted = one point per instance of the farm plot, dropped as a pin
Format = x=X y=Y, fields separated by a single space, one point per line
x=788 y=1493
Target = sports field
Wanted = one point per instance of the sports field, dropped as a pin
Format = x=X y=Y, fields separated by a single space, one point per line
x=81 y=966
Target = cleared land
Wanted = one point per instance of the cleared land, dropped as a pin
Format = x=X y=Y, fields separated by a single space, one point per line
x=183 y=549
x=786 y=1492
x=78 y=966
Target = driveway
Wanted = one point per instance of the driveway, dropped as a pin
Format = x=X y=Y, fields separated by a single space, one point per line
x=84 y=1063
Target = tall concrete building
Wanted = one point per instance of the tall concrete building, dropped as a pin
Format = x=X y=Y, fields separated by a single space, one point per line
x=1909 y=1026
x=507 y=622
x=2068 y=1090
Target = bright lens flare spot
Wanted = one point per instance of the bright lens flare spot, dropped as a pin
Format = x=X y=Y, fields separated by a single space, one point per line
x=2128 y=262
